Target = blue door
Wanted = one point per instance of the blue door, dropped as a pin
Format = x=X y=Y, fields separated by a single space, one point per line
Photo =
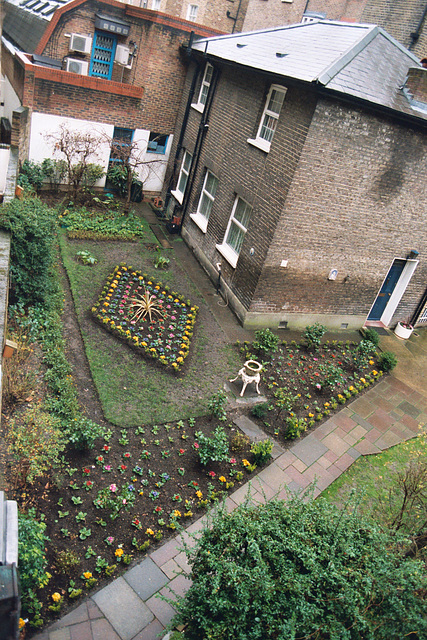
x=102 y=59
x=386 y=290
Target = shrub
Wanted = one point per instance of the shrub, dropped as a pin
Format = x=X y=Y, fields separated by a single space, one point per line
x=294 y=569
x=32 y=560
x=214 y=448
x=83 y=432
x=33 y=227
x=313 y=334
x=36 y=441
x=333 y=375
x=262 y=452
x=216 y=405
x=387 y=361
x=295 y=427
x=363 y=352
x=372 y=336
x=265 y=341
x=239 y=442
x=260 y=410
x=66 y=559
x=31 y=174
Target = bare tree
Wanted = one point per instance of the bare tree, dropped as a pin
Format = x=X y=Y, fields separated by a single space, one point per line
x=132 y=163
x=79 y=149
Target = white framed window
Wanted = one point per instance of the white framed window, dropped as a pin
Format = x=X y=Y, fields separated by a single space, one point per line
x=235 y=232
x=269 y=118
x=207 y=197
x=179 y=192
x=192 y=12
x=156 y=5
x=204 y=88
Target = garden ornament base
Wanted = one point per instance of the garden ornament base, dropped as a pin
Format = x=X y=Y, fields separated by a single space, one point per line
x=250 y=372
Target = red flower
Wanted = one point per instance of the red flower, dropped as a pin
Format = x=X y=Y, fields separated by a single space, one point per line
x=181 y=451
x=212 y=474
x=89 y=483
x=106 y=447
x=123 y=467
x=86 y=471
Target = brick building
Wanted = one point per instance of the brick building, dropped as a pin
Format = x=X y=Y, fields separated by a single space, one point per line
x=405 y=20
x=299 y=168
x=101 y=66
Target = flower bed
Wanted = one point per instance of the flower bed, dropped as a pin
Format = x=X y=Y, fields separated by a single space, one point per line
x=153 y=320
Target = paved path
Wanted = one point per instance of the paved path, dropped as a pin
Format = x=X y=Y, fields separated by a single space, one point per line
x=129 y=607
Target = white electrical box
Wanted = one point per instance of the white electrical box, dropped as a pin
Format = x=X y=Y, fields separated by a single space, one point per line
x=82 y=44
x=122 y=55
x=77 y=66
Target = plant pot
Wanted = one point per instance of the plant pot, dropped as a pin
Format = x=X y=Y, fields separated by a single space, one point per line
x=252 y=367
x=403 y=331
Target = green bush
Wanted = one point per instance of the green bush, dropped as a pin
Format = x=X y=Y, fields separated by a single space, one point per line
x=260 y=410
x=32 y=561
x=313 y=334
x=372 y=336
x=364 y=352
x=83 y=432
x=261 y=452
x=214 y=448
x=216 y=405
x=295 y=569
x=387 y=361
x=31 y=174
x=33 y=228
x=265 y=341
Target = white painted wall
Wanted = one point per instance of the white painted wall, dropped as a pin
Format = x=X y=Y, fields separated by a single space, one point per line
x=10 y=99
x=151 y=175
x=4 y=163
x=43 y=124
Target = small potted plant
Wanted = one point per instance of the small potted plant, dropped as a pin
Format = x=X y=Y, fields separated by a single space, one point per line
x=404 y=329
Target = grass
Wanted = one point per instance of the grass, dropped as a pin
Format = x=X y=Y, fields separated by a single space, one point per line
x=131 y=389
x=372 y=477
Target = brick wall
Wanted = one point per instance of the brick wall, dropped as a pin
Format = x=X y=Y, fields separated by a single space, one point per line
x=158 y=68
x=355 y=204
x=399 y=18
x=260 y=179
x=212 y=13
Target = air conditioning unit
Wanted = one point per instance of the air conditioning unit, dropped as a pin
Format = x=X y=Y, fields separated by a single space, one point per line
x=82 y=44
x=77 y=66
x=122 y=55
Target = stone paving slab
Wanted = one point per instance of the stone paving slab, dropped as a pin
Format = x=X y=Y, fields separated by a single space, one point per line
x=309 y=450
x=146 y=578
x=122 y=607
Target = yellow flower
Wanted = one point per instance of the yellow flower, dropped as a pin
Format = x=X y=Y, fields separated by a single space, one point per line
x=56 y=597
x=143 y=344
x=199 y=494
x=180 y=359
x=21 y=623
x=177 y=513
x=222 y=479
x=371 y=362
x=149 y=532
x=118 y=553
x=87 y=575
x=311 y=415
x=245 y=462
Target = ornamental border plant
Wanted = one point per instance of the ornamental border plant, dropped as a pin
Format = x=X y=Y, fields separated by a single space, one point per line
x=153 y=320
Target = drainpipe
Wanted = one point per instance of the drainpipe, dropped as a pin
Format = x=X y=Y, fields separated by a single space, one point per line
x=184 y=122
x=416 y=34
x=236 y=17
x=203 y=129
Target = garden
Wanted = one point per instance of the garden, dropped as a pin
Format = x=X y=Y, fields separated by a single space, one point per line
x=117 y=430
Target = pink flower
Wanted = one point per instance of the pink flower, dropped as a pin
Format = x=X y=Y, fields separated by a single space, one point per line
x=212 y=474
x=196 y=445
x=113 y=488
x=233 y=460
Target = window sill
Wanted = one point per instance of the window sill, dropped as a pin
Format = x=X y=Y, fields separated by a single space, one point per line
x=157 y=153
x=228 y=254
x=200 y=221
x=259 y=143
x=197 y=106
x=178 y=196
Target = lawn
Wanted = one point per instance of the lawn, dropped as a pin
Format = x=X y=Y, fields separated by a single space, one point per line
x=132 y=391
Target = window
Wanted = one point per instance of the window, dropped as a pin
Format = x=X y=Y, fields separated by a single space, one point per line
x=102 y=59
x=192 y=12
x=204 y=89
x=235 y=233
x=206 y=201
x=183 y=177
x=156 y=5
x=269 y=118
x=157 y=143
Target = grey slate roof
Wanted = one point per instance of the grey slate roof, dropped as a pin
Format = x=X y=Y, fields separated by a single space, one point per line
x=25 y=21
x=358 y=60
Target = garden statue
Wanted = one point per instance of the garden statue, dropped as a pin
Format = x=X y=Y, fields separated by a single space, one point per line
x=250 y=372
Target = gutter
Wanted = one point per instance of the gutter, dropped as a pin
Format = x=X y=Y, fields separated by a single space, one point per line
x=416 y=34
